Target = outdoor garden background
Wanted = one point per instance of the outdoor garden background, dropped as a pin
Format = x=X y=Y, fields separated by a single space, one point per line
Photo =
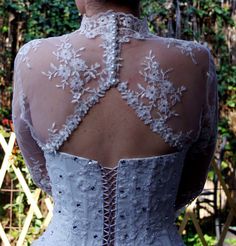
x=25 y=210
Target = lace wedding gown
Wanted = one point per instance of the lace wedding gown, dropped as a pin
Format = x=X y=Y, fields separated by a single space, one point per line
x=112 y=69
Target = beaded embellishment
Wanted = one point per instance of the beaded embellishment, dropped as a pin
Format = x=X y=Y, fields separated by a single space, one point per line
x=114 y=29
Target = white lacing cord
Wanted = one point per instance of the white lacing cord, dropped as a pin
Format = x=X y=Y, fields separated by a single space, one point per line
x=109 y=194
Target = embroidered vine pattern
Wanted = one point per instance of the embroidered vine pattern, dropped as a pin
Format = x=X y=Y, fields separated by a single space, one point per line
x=129 y=26
x=26 y=49
x=72 y=70
x=153 y=101
x=41 y=179
x=161 y=95
x=186 y=47
x=83 y=96
x=75 y=73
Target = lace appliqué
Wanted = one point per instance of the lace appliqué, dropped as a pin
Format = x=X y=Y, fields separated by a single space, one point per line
x=208 y=135
x=22 y=57
x=161 y=95
x=186 y=47
x=25 y=49
x=70 y=69
x=40 y=178
x=129 y=26
x=74 y=72
x=23 y=102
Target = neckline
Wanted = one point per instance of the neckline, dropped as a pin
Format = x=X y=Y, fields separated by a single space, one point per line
x=102 y=23
x=119 y=162
x=110 y=12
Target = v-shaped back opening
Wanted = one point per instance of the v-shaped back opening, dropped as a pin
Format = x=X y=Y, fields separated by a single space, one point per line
x=109 y=97
x=112 y=130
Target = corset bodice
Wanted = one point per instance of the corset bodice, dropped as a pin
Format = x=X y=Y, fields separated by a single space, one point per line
x=145 y=192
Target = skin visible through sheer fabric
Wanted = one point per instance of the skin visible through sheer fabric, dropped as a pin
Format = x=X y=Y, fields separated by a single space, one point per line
x=134 y=95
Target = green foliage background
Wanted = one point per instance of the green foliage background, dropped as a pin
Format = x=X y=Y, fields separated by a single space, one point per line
x=204 y=21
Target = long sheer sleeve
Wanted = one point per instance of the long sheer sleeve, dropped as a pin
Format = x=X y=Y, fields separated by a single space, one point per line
x=31 y=152
x=201 y=152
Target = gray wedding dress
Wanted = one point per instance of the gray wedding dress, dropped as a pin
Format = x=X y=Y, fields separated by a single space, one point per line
x=56 y=85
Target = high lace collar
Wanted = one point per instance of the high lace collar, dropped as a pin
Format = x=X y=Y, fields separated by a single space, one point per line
x=103 y=23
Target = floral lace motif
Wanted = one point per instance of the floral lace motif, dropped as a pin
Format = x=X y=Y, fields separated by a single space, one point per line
x=83 y=97
x=209 y=119
x=36 y=171
x=135 y=201
x=23 y=52
x=186 y=47
x=70 y=69
x=128 y=26
x=75 y=73
x=161 y=95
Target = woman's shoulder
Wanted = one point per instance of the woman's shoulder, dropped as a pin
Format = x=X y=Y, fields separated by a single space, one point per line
x=171 y=42
x=35 y=44
x=191 y=49
x=38 y=49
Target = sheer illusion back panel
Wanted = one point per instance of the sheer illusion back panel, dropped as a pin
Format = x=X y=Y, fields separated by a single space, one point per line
x=88 y=105
x=30 y=149
x=201 y=152
x=111 y=126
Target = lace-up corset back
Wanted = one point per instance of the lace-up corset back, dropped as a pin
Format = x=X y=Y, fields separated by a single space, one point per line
x=108 y=91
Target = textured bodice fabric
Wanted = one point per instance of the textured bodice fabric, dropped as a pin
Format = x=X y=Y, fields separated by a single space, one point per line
x=145 y=195
x=57 y=82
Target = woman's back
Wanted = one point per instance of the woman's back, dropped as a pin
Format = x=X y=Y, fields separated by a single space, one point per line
x=112 y=91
